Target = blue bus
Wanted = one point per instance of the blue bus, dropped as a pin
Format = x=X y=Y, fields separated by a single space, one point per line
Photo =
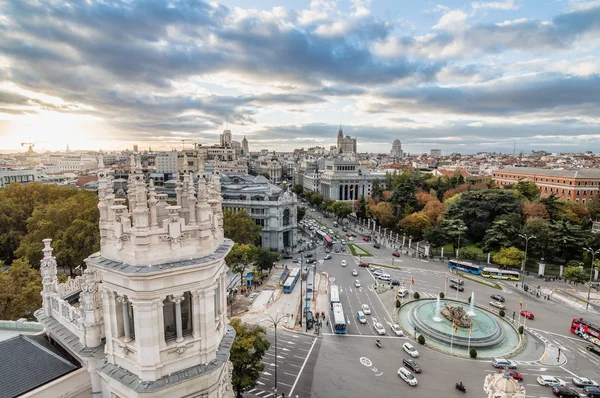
x=339 y=322
x=334 y=294
x=465 y=266
x=289 y=284
x=283 y=277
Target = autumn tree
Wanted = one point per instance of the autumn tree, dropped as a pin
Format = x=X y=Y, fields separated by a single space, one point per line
x=240 y=228
x=532 y=210
x=248 y=348
x=577 y=213
x=415 y=224
x=238 y=258
x=20 y=290
x=383 y=212
x=509 y=257
x=434 y=210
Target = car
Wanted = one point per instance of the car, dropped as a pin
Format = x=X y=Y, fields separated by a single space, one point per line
x=337 y=250
x=310 y=261
x=550 y=381
x=327 y=257
x=503 y=363
x=378 y=327
x=565 y=392
x=591 y=390
x=288 y=256
x=395 y=282
x=308 y=255
x=365 y=265
x=297 y=260
x=408 y=377
x=498 y=297
x=357 y=283
x=412 y=365
x=343 y=263
x=526 y=314
x=410 y=350
x=366 y=309
x=458 y=281
x=514 y=374
x=366 y=239
x=354 y=272
x=377 y=246
x=402 y=292
x=376 y=271
x=361 y=317
x=593 y=348
x=327 y=250
x=457 y=287
x=497 y=304
x=348 y=235
x=396 y=254
x=584 y=382
x=385 y=277
x=343 y=242
x=396 y=329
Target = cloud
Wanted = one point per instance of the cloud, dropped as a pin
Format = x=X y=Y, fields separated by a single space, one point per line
x=452 y=21
x=495 y=5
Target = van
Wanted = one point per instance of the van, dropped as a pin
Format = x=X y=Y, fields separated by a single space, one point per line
x=385 y=277
x=361 y=317
x=309 y=320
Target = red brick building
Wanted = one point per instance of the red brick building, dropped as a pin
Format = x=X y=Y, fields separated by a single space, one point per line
x=578 y=185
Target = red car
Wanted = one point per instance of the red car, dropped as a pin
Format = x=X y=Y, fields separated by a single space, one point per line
x=396 y=254
x=366 y=265
x=348 y=235
x=526 y=314
x=514 y=374
x=366 y=239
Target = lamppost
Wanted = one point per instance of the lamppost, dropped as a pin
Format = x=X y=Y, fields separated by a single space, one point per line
x=526 y=237
x=593 y=253
x=274 y=321
x=461 y=229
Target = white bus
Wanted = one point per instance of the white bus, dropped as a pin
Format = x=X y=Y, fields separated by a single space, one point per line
x=496 y=273
x=334 y=294
x=339 y=322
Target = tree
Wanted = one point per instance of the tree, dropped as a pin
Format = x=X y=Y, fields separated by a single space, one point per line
x=421 y=339
x=528 y=189
x=341 y=210
x=576 y=274
x=473 y=353
x=454 y=228
x=540 y=246
x=577 y=213
x=501 y=234
x=240 y=228
x=594 y=206
x=434 y=210
x=502 y=313
x=436 y=235
x=237 y=259
x=567 y=239
x=376 y=191
x=533 y=210
x=298 y=189
x=262 y=258
x=247 y=351
x=361 y=208
x=553 y=206
x=300 y=213
x=20 y=290
x=509 y=257
x=383 y=213
x=415 y=224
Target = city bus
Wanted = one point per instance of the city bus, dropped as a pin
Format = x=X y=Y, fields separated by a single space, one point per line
x=585 y=329
x=339 y=322
x=290 y=282
x=334 y=294
x=496 y=273
x=327 y=241
x=465 y=266
x=283 y=277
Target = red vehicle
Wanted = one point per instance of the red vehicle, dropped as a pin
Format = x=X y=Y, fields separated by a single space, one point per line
x=366 y=239
x=348 y=235
x=366 y=265
x=514 y=374
x=396 y=254
x=526 y=314
x=585 y=329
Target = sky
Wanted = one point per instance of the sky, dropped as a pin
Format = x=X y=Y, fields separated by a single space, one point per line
x=461 y=76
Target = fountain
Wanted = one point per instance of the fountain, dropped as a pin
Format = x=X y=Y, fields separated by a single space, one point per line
x=471 y=311
x=437 y=317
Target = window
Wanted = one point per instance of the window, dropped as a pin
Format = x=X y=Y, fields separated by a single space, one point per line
x=286 y=217
x=169 y=316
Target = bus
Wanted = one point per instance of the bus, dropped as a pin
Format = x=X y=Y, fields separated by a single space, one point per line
x=283 y=277
x=334 y=294
x=327 y=241
x=289 y=284
x=339 y=322
x=496 y=273
x=585 y=329
x=465 y=266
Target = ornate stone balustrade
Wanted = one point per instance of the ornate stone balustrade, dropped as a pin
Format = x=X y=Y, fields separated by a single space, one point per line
x=72 y=285
x=71 y=316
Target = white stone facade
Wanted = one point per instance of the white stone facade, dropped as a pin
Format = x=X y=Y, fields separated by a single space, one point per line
x=151 y=316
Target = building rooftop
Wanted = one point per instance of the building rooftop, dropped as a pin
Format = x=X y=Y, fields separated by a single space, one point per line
x=572 y=173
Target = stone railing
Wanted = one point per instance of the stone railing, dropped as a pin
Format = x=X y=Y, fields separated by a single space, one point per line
x=72 y=285
x=70 y=316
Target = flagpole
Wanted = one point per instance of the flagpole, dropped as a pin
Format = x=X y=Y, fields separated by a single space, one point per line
x=469 y=345
x=524 y=317
x=452 y=339
x=445 y=285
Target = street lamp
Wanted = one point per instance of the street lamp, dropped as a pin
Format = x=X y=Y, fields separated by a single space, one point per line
x=526 y=237
x=593 y=253
x=461 y=229
x=274 y=321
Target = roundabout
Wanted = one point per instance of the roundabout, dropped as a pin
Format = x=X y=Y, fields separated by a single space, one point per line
x=454 y=328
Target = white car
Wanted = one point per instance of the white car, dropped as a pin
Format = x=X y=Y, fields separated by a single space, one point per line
x=583 y=382
x=407 y=376
x=410 y=350
x=357 y=283
x=378 y=327
x=497 y=304
x=343 y=263
x=343 y=241
x=550 y=381
x=366 y=309
x=397 y=331
x=377 y=272
x=354 y=272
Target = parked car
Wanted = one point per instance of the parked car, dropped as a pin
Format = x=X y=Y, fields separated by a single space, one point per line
x=458 y=281
x=402 y=292
x=504 y=363
x=366 y=265
x=343 y=242
x=308 y=255
x=327 y=257
x=395 y=282
x=376 y=271
x=366 y=309
x=497 y=305
x=513 y=373
x=376 y=246
x=591 y=391
x=497 y=297
x=550 y=381
x=526 y=314
x=310 y=260
x=337 y=250
x=565 y=392
x=457 y=287
x=396 y=254
x=407 y=376
x=297 y=260
x=410 y=350
x=583 y=382
x=288 y=256
x=396 y=329
x=412 y=365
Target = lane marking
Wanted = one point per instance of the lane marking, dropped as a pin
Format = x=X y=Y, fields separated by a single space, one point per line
x=302 y=368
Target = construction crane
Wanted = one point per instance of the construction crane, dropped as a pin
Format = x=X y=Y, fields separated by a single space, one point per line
x=183 y=144
x=30 y=144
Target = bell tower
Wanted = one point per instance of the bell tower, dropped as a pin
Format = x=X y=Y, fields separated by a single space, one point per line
x=163 y=289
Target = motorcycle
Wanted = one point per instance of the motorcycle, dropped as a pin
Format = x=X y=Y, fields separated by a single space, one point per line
x=378 y=343
x=460 y=387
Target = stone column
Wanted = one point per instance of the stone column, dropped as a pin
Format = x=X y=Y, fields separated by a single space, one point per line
x=146 y=321
x=110 y=321
x=161 y=321
x=196 y=313
x=177 y=300
x=125 y=308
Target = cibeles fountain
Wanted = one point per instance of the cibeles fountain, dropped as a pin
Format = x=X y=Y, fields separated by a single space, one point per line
x=455 y=327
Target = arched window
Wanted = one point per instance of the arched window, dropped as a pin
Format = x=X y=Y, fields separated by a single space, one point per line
x=286 y=217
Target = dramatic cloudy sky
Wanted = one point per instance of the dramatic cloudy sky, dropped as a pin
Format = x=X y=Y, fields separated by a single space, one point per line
x=457 y=75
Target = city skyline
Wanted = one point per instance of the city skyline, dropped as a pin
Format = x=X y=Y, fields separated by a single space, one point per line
x=462 y=76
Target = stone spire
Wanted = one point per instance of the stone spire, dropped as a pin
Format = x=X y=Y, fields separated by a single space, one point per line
x=48 y=270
